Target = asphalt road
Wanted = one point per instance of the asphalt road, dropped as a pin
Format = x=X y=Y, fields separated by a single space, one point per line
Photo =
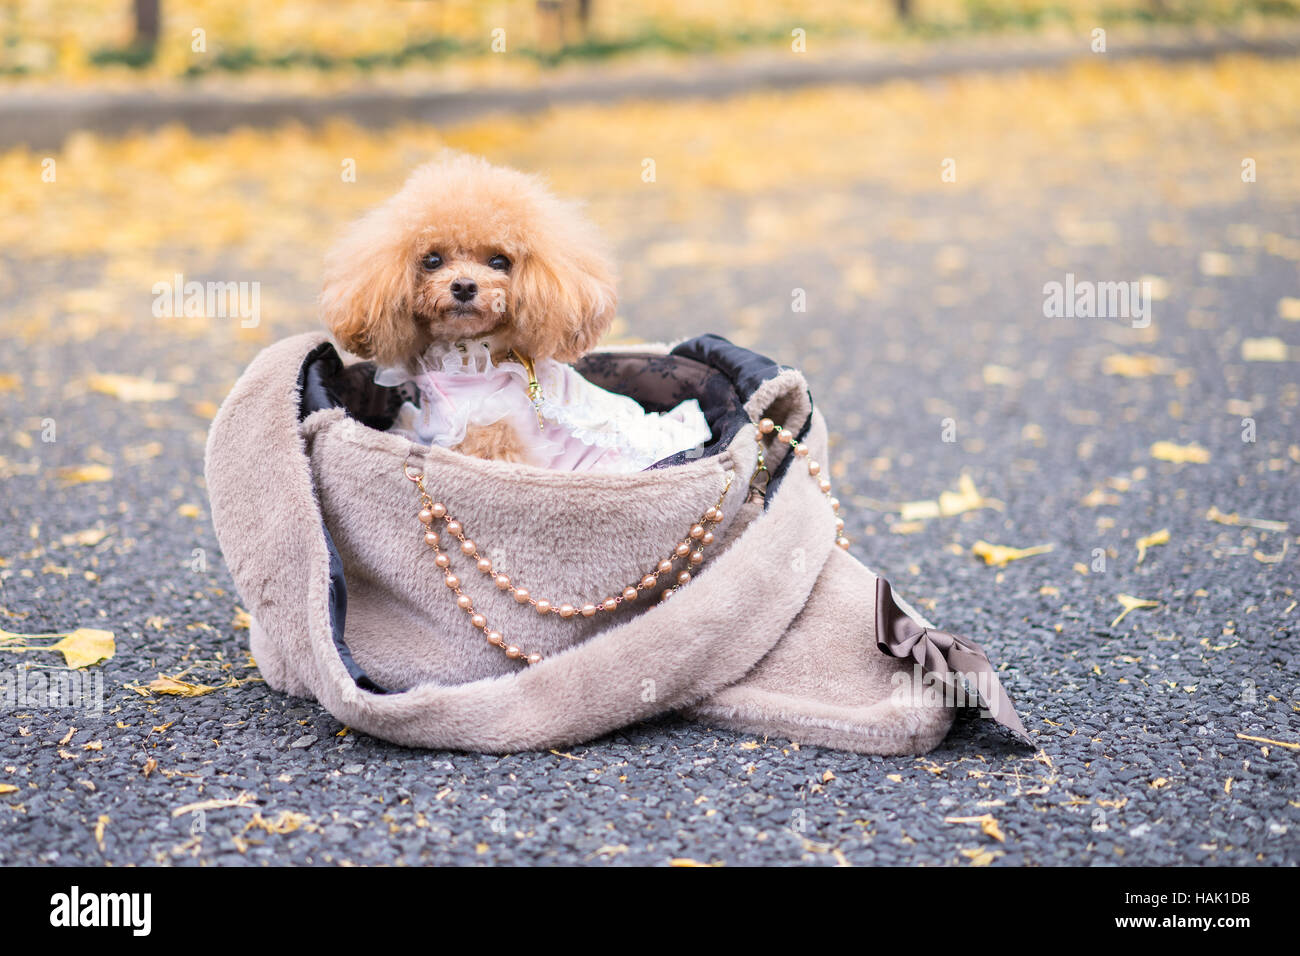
x=1170 y=736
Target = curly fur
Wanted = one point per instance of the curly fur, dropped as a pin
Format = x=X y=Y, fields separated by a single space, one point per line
x=556 y=300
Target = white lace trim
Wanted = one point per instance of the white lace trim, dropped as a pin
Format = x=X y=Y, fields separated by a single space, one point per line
x=461 y=386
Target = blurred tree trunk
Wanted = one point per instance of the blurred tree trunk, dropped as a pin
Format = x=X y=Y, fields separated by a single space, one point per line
x=562 y=22
x=903 y=8
x=147 y=19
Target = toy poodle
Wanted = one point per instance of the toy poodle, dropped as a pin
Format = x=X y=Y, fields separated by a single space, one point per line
x=472 y=288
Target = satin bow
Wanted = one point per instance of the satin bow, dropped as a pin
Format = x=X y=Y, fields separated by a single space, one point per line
x=944 y=655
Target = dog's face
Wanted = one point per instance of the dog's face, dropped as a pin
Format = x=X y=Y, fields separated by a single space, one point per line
x=466 y=249
x=462 y=293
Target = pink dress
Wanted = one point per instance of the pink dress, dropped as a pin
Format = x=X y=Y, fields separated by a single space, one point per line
x=574 y=425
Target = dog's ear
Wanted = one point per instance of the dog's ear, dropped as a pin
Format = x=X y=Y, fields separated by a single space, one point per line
x=563 y=295
x=369 y=288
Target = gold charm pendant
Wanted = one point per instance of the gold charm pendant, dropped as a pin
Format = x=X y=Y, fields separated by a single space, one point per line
x=534 y=387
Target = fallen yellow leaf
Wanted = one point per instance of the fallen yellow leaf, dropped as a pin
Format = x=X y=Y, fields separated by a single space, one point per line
x=1134 y=366
x=965 y=498
x=86 y=646
x=85 y=474
x=1263 y=350
x=7 y=788
x=130 y=389
x=286 y=822
x=1264 y=524
x=1131 y=603
x=243 y=800
x=170 y=685
x=1286 y=745
x=1216 y=264
x=88 y=538
x=999 y=375
x=1151 y=541
x=988 y=824
x=80 y=648
x=1263 y=558
x=999 y=555
x=1180 y=454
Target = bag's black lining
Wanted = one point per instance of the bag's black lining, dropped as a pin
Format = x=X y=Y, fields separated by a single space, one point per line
x=719 y=374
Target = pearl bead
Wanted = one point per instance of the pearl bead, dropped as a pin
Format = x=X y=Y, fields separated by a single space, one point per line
x=479 y=621
x=835 y=504
x=454 y=528
x=665 y=595
x=814 y=468
x=502 y=582
x=431 y=538
x=785 y=437
x=588 y=610
x=494 y=637
x=683 y=577
x=708 y=538
x=839 y=524
x=610 y=604
x=665 y=566
x=485 y=565
x=426 y=516
x=567 y=610
x=521 y=595
x=464 y=603
x=534 y=658
x=629 y=594
x=718 y=515
x=843 y=542
x=514 y=652
x=682 y=549
x=543 y=606
x=697 y=557
x=801 y=451
x=697 y=531
x=766 y=425
x=648 y=581
x=467 y=546
x=452 y=581
x=438 y=509
x=824 y=485
x=441 y=560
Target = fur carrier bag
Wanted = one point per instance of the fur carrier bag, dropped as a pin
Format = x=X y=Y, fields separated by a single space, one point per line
x=437 y=600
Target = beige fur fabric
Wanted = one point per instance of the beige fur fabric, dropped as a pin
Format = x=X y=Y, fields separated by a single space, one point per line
x=774 y=635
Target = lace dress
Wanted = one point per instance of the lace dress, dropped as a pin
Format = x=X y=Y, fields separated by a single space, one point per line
x=573 y=426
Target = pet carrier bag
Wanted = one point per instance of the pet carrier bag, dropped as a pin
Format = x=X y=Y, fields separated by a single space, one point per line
x=437 y=600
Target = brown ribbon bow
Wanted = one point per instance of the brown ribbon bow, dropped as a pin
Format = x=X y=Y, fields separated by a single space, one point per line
x=944 y=655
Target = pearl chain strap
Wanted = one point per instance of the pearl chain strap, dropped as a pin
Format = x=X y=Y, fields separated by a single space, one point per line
x=786 y=437
x=690 y=550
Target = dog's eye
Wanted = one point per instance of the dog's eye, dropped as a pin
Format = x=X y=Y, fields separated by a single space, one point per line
x=499 y=262
x=431 y=261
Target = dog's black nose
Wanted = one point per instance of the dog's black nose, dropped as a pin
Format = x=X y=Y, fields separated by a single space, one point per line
x=464 y=289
